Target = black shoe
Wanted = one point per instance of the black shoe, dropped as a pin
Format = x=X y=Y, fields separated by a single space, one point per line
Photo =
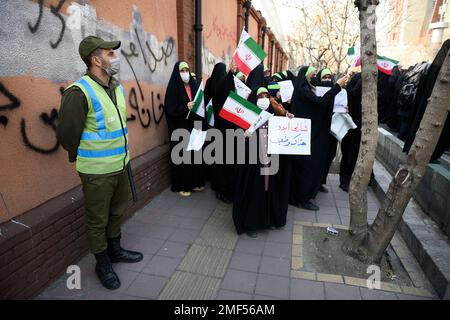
x=309 y=206
x=223 y=198
x=323 y=189
x=105 y=271
x=344 y=187
x=118 y=254
x=252 y=234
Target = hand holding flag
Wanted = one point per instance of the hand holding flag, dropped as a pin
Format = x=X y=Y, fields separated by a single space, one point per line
x=248 y=54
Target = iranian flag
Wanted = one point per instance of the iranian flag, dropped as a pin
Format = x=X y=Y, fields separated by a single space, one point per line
x=248 y=54
x=199 y=102
x=210 y=113
x=239 y=111
x=384 y=64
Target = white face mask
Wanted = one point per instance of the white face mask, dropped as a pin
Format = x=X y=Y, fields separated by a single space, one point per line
x=114 y=67
x=263 y=103
x=185 y=76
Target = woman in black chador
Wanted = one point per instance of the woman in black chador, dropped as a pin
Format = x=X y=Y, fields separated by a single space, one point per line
x=308 y=170
x=179 y=98
x=261 y=200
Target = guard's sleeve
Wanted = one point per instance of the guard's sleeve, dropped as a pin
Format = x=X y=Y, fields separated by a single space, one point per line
x=72 y=116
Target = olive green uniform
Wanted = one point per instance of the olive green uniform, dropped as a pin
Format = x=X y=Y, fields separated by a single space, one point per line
x=106 y=195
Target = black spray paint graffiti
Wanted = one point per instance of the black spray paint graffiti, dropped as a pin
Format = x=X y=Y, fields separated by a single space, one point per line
x=55 y=12
x=49 y=119
x=151 y=60
x=13 y=104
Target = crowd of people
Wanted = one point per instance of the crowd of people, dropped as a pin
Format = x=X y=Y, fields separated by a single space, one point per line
x=260 y=201
x=403 y=97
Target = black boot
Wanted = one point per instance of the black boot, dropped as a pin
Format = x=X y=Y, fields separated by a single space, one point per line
x=105 y=271
x=118 y=254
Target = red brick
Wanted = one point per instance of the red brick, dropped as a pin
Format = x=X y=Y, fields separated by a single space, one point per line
x=22 y=248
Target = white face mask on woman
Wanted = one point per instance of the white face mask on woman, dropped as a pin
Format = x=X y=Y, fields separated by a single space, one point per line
x=263 y=103
x=185 y=76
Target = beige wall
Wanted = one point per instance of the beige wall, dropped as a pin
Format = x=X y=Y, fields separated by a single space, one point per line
x=220 y=34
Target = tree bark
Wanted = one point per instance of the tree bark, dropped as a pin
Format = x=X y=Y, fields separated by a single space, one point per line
x=369 y=132
x=412 y=168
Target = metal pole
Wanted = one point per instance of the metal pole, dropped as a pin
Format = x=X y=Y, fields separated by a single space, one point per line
x=247 y=5
x=198 y=27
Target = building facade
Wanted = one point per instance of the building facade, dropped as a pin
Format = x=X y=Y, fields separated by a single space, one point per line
x=41 y=203
x=413 y=30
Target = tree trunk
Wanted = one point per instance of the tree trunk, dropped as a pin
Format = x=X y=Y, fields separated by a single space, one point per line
x=369 y=131
x=412 y=169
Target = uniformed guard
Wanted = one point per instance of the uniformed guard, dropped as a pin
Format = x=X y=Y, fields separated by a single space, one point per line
x=92 y=128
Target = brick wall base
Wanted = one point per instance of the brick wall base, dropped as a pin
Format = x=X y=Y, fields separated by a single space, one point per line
x=37 y=249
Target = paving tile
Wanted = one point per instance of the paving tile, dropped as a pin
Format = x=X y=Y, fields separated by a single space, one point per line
x=272 y=286
x=241 y=281
x=146 y=286
x=409 y=297
x=184 y=235
x=160 y=232
x=259 y=297
x=345 y=220
x=245 y=262
x=136 y=267
x=342 y=204
x=327 y=210
x=307 y=290
x=189 y=286
x=333 y=219
x=173 y=249
x=279 y=236
x=162 y=266
x=305 y=216
x=126 y=278
x=205 y=260
x=278 y=250
x=255 y=247
x=141 y=244
x=368 y=294
x=192 y=223
x=344 y=211
x=275 y=266
x=335 y=291
x=232 y=295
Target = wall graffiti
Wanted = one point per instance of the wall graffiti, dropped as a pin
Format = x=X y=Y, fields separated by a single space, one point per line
x=222 y=31
x=48 y=119
x=56 y=12
x=153 y=57
x=145 y=61
x=13 y=104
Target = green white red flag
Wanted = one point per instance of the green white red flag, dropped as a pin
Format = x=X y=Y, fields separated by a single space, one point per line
x=384 y=64
x=248 y=54
x=199 y=102
x=240 y=111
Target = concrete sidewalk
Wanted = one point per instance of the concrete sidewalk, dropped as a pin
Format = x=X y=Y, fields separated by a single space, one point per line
x=193 y=252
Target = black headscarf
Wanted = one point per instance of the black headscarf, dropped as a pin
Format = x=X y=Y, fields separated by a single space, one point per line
x=213 y=83
x=321 y=83
x=302 y=81
x=176 y=99
x=423 y=93
x=255 y=79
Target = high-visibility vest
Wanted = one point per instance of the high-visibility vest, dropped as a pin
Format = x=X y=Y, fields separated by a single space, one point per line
x=104 y=142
